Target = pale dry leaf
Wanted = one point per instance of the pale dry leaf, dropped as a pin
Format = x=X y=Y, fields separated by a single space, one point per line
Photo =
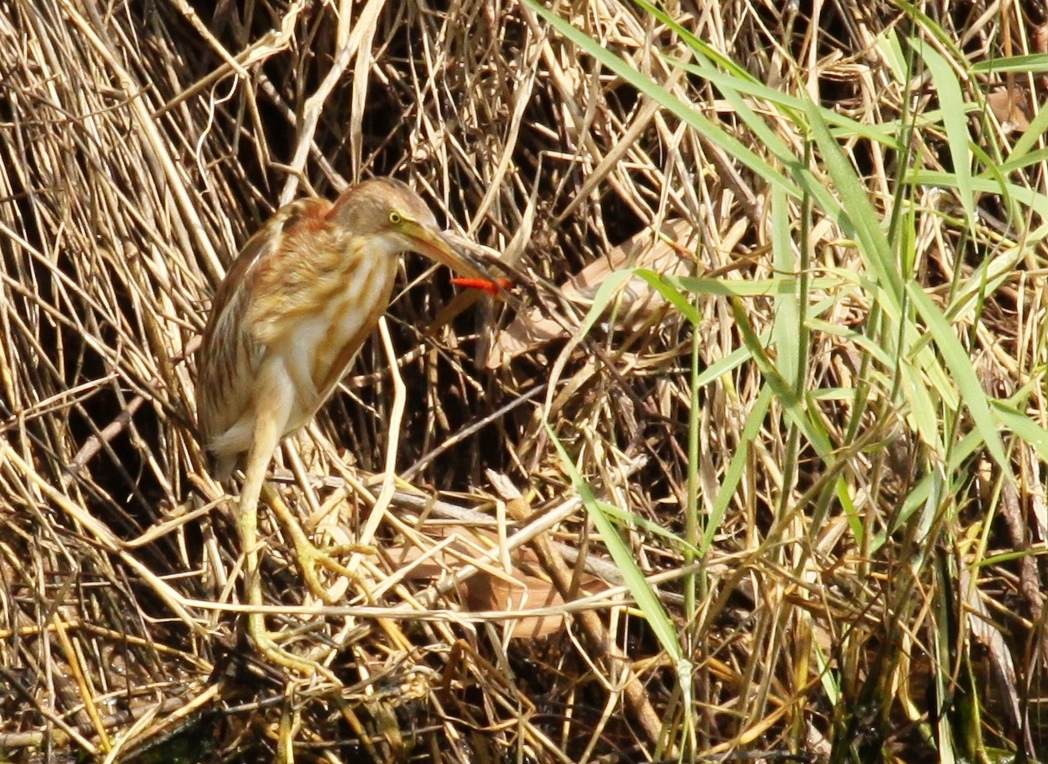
x=491 y=589
x=638 y=300
x=986 y=632
x=1011 y=107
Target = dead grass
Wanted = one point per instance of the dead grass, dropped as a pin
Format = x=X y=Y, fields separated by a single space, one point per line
x=845 y=569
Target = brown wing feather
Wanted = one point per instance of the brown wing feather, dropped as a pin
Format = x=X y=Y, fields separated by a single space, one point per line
x=230 y=355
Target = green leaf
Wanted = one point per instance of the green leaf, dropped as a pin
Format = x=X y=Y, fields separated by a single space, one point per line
x=959 y=363
x=705 y=127
x=637 y=584
x=955 y=121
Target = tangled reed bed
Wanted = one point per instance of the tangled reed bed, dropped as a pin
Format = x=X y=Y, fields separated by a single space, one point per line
x=143 y=142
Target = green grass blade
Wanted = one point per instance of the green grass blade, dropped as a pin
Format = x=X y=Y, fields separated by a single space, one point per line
x=705 y=127
x=958 y=361
x=955 y=121
x=637 y=584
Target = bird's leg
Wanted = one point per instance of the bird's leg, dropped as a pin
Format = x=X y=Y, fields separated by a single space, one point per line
x=308 y=556
x=272 y=405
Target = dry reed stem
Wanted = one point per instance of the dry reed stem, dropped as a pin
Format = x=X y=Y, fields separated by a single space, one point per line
x=141 y=144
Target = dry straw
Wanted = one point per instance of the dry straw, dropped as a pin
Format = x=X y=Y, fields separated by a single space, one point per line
x=142 y=142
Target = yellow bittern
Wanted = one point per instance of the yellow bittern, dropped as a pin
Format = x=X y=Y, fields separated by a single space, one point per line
x=286 y=323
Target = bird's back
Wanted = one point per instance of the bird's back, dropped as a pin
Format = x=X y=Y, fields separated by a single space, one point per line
x=229 y=357
x=301 y=295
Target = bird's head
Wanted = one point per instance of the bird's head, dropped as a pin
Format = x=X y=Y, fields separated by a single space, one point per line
x=394 y=219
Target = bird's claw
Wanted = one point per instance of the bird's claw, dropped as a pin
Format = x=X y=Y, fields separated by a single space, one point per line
x=274 y=653
x=310 y=558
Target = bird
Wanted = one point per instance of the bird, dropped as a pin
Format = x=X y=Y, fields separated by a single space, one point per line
x=286 y=323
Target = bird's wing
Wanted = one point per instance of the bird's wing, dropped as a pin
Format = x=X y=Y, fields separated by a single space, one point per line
x=231 y=353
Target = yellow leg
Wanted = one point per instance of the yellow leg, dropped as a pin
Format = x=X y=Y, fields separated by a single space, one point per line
x=307 y=555
x=272 y=404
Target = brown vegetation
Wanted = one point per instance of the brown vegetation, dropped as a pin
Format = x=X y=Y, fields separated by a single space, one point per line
x=142 y=142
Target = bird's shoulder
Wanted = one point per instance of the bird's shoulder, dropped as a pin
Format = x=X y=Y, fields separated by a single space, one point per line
x=238 y=290
x=246 y=304
x=270 y=242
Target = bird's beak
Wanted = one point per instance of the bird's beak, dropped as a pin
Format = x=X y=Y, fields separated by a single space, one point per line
x=428 y=241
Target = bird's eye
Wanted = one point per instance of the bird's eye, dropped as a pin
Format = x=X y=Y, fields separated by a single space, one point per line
x=395 y=218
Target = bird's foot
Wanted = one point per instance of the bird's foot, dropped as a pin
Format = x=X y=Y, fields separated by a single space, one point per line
x=311 y=559
x=275 y=654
